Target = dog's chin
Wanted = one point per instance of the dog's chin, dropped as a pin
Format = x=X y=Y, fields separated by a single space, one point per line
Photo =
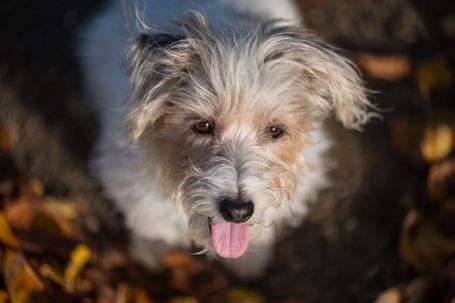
x=229 y=240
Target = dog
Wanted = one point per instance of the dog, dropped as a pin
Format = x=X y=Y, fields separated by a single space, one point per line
x=213 y=122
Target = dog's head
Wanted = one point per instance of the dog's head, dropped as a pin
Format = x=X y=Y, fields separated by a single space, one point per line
x=225 y=118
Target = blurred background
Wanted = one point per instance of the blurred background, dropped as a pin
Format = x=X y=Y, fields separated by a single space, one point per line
x=385 y=231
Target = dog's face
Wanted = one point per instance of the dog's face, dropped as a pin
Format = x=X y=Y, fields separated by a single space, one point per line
x=225 y=119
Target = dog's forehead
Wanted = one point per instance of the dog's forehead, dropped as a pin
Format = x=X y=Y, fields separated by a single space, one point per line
x=245 y=105
x=245 y=97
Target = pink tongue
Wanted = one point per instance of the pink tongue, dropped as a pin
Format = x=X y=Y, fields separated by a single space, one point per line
x=229 y=240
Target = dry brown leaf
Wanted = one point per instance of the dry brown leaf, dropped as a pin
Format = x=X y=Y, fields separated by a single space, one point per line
x=140 y=296
x=128 y=294
x=391 y=295
x=34 y=186
x=433 y=75
x=21 y=212
x=5 y=141
x=6 y=234
x=178 y=259
x=391 y=67
x=21 y=281
x=112 y=258
x=182 y=267
x=3 y=296
x=406 y=135
x=427 y=248
x=441 y=179
x=37 y=230
x=416 y=291
x=437 y=143
x=122 y=292
x=6 y=189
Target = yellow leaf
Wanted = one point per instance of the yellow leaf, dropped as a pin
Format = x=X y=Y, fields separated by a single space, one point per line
x=128 y=294
x=62 y=209
x=6 y=234
x=184 y=300
x=437 y=143
x=242 y=295
x=79 y=258
x=20 y=279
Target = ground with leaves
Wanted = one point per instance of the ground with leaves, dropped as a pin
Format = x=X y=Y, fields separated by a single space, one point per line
x=383 y=233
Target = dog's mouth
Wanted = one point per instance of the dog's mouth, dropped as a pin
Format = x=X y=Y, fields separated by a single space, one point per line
x=229 y=240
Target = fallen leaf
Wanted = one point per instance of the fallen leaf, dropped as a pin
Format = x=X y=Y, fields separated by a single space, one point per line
x=122 y=293
x=433 y=74
x=184 y=300
x=128 y=294
x=140 y=296
x=21 y=281
x=437 y=143
x=37 y=230
x=427 y=248
x=51 y=273
x=391 y=295
x=5 y=141
x=78 y=259
x=3 y=296
x=406 y=135
x=6 y=189
x=176 y=259
x=450 y=271
x=243 y=295
x=112 y=258
x=21 y=212
x=60 y=208
x=34 y=186
x=391 y=67
x=448 y=26
x=416 y=290
x=6 y=234
x=182 y=269
x=441 y=179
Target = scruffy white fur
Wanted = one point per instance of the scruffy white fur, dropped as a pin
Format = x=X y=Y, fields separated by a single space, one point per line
x=230 y=63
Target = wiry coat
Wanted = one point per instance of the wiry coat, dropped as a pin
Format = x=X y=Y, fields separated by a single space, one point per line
x=166 y=177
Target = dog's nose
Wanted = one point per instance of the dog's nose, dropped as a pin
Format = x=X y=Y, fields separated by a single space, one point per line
x=236 y=211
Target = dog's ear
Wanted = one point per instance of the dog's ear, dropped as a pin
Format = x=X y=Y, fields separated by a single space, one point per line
x=157 y=63
x=329 y=81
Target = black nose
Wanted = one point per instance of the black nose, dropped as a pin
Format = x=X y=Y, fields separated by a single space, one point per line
x=236 y=211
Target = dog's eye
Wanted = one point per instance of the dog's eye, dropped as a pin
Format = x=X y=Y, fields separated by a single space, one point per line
x=203 y=127
x=275 y=132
